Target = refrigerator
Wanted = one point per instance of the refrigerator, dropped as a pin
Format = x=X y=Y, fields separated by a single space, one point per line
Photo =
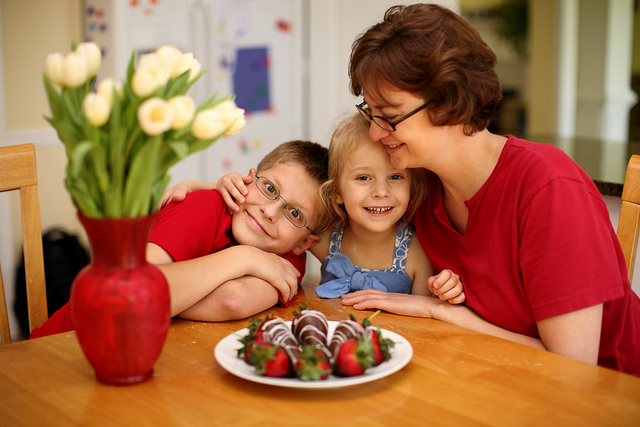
x=253 y=49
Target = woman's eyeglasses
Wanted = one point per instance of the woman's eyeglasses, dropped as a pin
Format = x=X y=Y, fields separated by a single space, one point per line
x=383 y=122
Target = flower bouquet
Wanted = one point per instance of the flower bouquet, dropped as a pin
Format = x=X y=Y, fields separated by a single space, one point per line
x=121 y=140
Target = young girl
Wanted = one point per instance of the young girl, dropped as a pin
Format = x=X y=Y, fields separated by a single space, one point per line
x=369 y=205
x=366 y=242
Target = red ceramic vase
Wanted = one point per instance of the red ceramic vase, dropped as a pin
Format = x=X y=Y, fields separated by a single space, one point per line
x=119 y=302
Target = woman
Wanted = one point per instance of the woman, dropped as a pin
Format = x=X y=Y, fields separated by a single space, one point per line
x=521 y=224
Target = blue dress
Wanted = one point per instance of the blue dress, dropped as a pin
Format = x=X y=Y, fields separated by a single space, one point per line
x=339 y=276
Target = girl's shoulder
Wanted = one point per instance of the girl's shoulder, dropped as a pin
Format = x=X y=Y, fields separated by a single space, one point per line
x=417 y=261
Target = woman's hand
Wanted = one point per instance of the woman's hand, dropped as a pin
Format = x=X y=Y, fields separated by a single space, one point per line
x=447 y=286
x=405 y=304
x=233 y=187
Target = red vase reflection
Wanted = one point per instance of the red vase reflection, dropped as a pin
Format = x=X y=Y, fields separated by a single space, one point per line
x=120 y=302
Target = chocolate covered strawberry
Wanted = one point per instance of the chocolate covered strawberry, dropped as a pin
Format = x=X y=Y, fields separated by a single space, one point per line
x=312 y=363
x=354 y=357
x=270 y=360
x=381 y=346
x=276 y=331
x=345 y=330
x=310 y=327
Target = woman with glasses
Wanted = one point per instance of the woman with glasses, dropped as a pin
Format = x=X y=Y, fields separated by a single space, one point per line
x=522 y=225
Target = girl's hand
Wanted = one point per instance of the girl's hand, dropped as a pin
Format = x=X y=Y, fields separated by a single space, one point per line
x=178 y=192
x=233 y=187
x=447 y=286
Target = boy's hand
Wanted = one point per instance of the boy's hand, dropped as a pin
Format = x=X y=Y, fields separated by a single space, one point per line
x=233 y=187
x=272 y=268
x=447 y=286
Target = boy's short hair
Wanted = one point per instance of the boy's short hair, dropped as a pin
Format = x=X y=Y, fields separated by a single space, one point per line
x=429 y=51
x=348 y=136
x=313 y=157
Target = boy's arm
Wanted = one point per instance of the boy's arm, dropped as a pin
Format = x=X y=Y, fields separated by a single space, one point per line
x=192 y=280
x=236 y=299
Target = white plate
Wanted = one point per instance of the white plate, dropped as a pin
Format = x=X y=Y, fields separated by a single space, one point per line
x=226 y=353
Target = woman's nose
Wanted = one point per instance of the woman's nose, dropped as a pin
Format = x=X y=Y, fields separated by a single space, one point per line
x=376 y=133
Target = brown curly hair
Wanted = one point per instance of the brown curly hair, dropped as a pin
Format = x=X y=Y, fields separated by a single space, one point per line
x=429 y=51
x=350 y=134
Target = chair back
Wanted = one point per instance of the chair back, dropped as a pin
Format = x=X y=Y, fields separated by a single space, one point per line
x=629 y=222
x=18 y=172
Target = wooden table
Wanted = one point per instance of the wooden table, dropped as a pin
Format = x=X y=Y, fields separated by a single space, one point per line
x=456 y=377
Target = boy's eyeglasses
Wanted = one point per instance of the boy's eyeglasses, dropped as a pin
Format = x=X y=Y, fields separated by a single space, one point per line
x=383 y=122
x=291 y=212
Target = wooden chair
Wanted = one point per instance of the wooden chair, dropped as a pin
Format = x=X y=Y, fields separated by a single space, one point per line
x=18 y=172
x=629 y=222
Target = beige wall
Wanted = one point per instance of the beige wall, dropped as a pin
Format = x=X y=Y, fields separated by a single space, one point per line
x=31 y=29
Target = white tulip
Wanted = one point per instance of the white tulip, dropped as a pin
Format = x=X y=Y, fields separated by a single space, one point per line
x=169 y=56
x=96 y=108
x=208 y=124
x=107 y=87
x=184 y=63
x=183 y=111
x=74 y=70
x=54 y=65
x=92 y=54
x=232 y=115
x=155 y=116
x=148 y=79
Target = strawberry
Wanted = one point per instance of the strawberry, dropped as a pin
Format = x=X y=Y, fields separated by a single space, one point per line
x=381 y=346
x=255 y=335
x=270 y=360
x=312 y=363
x=354 y=357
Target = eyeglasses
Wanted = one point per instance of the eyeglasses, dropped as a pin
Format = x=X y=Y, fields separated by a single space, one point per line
x=383 y=122
x=291 y=212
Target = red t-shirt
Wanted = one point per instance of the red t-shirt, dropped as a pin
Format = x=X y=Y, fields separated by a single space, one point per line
x=539 y=243
x=199 y=225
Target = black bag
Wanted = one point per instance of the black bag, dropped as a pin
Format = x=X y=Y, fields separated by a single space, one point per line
x=64 y=257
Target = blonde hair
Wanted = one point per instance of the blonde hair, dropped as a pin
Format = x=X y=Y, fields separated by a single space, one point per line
x=350 y=134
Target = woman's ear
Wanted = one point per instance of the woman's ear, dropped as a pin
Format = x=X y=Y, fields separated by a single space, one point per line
x=339 y=199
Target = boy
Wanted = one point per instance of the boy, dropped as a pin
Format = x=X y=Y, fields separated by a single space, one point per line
x=223 y=266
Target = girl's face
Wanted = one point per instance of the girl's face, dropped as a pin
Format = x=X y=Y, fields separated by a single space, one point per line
x=416 y=142
x=374 y=193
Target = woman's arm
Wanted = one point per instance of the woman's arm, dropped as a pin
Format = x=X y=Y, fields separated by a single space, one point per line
x=575 y=335
x=433 y=308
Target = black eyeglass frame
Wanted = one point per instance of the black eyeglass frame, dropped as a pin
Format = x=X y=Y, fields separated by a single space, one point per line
x=279 y=196
x=381 y=121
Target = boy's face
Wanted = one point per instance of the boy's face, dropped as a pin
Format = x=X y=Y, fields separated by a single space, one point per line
x=261 y=222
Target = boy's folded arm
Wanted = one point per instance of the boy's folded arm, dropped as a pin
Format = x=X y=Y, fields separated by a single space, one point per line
x=192 y=280
x=236 y=299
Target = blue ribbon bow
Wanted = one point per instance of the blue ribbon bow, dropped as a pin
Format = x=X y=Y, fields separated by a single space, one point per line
x=348 y=278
